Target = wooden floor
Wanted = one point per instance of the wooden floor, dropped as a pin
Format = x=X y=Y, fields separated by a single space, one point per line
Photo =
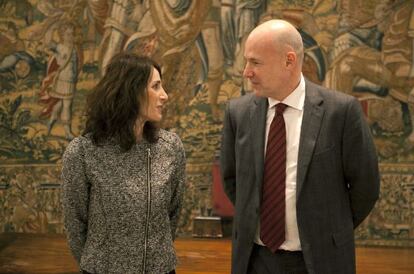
x=33 y=253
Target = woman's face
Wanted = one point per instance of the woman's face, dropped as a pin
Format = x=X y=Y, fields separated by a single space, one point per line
x=152 y=110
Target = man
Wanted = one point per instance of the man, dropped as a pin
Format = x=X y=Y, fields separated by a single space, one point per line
x=59 y=86
x=300 y=180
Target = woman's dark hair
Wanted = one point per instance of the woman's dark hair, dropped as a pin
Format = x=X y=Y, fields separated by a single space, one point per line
x=115 y=103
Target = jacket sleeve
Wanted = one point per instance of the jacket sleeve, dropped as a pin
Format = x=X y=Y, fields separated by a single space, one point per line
x=178 y=185
x=75 y=197
x=227 y=156
x=360 y=163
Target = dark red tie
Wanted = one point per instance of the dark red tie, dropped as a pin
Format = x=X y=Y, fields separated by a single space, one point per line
x=272 y=210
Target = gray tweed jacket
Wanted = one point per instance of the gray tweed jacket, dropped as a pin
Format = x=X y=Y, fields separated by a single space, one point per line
x=121 y=208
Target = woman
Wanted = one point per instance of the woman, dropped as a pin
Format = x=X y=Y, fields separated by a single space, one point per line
x=123 y=179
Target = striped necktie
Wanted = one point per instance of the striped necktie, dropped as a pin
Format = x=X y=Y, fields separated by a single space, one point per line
x=272 y=210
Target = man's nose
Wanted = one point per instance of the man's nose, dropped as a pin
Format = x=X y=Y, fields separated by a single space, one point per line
x=247 y=73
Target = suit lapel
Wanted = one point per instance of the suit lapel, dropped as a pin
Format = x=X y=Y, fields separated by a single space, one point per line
x=311 y=123
x=258 y=113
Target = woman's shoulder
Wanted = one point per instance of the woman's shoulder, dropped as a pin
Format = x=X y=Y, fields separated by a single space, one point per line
x=78 y=144
x=169 y=138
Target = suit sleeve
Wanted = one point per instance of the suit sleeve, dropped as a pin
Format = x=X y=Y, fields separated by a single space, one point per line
x=360 y=163
x=75 y=198
x=178 y=185
x=227 y=156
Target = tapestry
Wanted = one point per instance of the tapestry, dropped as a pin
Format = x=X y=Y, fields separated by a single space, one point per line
x=364 y=48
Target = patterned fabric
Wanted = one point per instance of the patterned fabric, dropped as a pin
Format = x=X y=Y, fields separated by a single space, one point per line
x=272 y=214
x=106 y=202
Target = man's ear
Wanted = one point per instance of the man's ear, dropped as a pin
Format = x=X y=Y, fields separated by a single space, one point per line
x=290 y=58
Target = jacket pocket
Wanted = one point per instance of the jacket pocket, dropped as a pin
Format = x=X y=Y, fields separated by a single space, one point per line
x=324 y=151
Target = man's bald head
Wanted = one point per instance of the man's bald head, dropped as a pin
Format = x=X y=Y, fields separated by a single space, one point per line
x=282 y=34
x=274 y=56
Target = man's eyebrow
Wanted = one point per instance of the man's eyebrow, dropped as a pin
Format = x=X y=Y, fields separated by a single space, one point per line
x=252 y=59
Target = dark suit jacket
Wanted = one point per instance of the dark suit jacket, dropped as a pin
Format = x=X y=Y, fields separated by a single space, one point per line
x=337 y=176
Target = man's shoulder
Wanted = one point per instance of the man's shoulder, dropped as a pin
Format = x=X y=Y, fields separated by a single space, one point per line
x=326 y=93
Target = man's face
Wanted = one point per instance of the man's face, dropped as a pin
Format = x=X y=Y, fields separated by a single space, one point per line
x=265 y=66
x=68 y=35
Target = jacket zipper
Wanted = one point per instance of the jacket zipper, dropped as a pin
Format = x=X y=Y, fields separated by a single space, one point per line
x=144 y=260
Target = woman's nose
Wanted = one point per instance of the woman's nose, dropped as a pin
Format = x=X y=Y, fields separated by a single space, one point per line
x=164 y=95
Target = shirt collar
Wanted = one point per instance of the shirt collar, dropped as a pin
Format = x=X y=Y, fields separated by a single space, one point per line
x=295 y=100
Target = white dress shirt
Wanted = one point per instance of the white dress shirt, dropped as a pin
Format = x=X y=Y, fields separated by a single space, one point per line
x=292 y=115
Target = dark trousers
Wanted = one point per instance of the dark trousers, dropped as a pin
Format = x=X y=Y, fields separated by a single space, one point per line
x=263 y=261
